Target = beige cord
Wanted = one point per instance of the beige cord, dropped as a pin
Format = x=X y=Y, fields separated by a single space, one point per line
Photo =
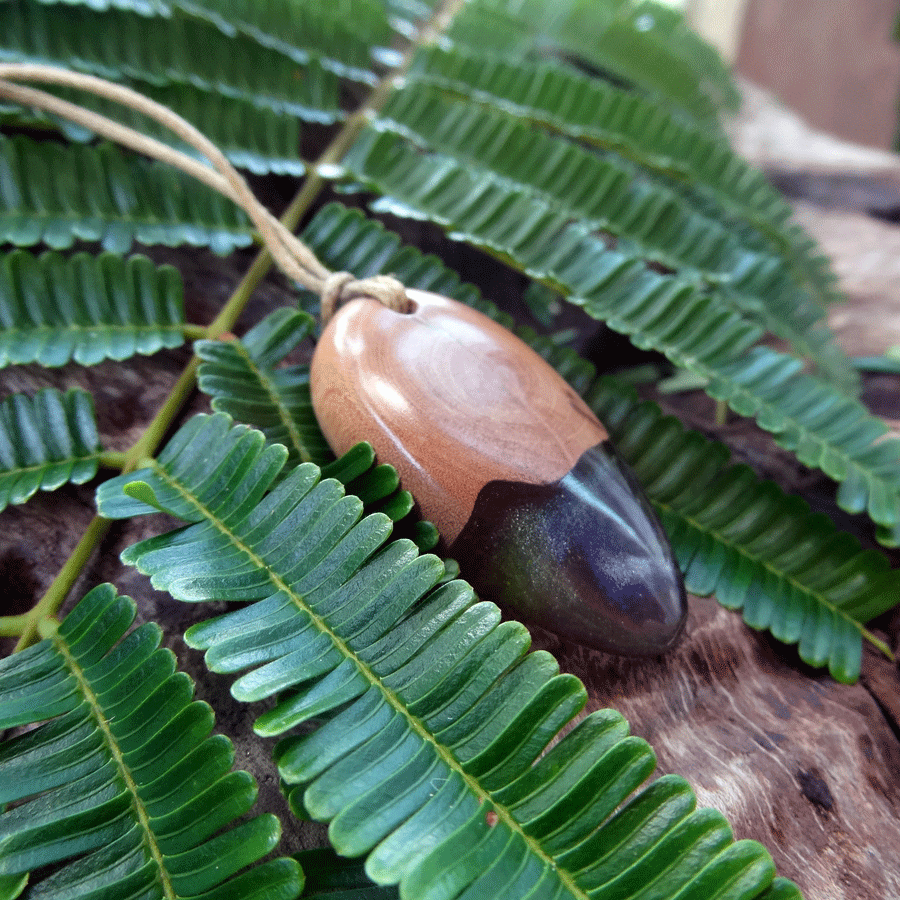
x=291 y=254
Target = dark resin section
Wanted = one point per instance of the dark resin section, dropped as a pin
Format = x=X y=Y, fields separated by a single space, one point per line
x=584 y=557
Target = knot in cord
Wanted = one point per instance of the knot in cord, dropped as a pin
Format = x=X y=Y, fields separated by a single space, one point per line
x=340 y=287
x=332 y=288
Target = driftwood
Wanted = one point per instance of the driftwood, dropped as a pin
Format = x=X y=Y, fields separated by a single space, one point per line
x=807 y=766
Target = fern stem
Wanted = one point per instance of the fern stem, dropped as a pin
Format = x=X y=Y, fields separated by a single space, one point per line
x=878 y=644
x=13 y=626
x=721 y=413
x=194 y=332
x=111 y=459
x=56 y=594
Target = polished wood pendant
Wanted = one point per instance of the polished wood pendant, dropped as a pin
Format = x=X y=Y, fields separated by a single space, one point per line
x=510 y=465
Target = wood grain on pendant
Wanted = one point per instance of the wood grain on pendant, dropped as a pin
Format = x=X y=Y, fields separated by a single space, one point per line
x=509 y=463
x=446 y=385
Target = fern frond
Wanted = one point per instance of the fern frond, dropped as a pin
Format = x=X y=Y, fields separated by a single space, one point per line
x=242 y=378
x=58 y=194
x=340 y=34
x=252 y=137
x=124 y=785
x=825 y=428
x=611 y=36
x=88 y=308
x=46 y=441
x=638 y=129
x=606 y=195
x=432 y=752
x=758 y=550
x=159 y=51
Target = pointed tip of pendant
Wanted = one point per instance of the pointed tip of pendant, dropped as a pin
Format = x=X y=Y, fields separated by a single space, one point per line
x=585 y=557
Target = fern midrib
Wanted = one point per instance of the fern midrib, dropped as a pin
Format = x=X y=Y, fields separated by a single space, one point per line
x=284 y=413
x=140 y=810
x=37 y=467
x=790 y=579
x=77 y=328
x=137 y=220
x=391 y=697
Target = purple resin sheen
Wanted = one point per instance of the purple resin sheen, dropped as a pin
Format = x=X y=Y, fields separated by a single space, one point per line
x=584 y=557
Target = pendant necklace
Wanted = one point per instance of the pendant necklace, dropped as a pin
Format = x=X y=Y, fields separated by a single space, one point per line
x=509 y=463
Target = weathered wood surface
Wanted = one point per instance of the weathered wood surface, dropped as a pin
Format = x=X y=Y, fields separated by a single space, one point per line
x=807 y=766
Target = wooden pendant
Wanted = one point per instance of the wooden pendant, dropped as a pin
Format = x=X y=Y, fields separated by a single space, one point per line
x=510 y=465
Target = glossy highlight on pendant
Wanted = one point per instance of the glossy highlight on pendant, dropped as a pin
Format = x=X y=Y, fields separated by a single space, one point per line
x=509 y=463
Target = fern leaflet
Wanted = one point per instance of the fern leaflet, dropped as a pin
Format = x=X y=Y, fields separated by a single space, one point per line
x=606 y=195
x=608 y=34
x=123 y=786
x=242 y=378
x=252 y=137
x=636 y=128
x=759 y=551
x=58 y=194
x=159 y=51
x=46 y=441
x=55 y=309
x=340 y=34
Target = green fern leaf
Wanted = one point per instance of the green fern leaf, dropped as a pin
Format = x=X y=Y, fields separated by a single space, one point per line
x=762 y=552
x=299 y=29
x=242 y=378
x=12 y=886
x=252 y=137
x=55 y=309
x=345 y=238
x=340 y=34
x=159 y=51
x=123 y=785
x=432 y=752
x=822 y=426
x=638 y=129
x=46 y=441
x=377 y=487
x=667 y=24
x=612 y=36
x=747 y=550
x=606 y=195
x=141 y=7
x=59 y=194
